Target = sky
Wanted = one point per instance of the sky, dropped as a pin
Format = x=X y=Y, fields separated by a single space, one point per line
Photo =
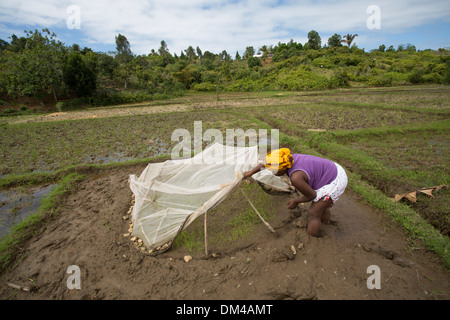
x=231 y=25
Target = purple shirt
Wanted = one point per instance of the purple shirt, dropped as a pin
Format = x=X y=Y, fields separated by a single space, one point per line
x=320 y=171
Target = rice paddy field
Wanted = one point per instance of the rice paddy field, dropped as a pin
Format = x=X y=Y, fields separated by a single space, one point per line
x=390 y=141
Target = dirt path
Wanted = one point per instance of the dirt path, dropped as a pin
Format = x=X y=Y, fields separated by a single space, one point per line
x=146 y=108
x=88 y=233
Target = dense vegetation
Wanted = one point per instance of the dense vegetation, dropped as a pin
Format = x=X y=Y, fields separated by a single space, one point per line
x=37 y=65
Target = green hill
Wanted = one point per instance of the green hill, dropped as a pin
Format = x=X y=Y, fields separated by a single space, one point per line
x=39 y=69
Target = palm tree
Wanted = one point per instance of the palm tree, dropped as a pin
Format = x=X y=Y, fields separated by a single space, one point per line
x=349 y=39
x=264 y=51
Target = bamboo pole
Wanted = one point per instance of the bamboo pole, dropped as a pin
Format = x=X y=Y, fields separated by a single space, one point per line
x=264 y=221
x=206 y=234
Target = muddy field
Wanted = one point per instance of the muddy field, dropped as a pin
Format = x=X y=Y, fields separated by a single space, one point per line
x=88 y=229
x=88 y=233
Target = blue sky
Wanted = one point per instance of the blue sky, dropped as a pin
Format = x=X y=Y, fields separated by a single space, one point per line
x=217 y=25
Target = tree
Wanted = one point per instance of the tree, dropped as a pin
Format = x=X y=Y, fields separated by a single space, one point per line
x=17 y=44
x=123 y=48
x=314 y=41
x=249 y=52
x=78 y=76
x=349 y=39
x=3 y=45
x=36 y=70
x=122 y=72
x=190 y=54
x=225 y=56
x=390 y=49
x=446 y=78
x=199 y=52
x=264 y=49
x=208 y=60
x=165 y=54
x=335 y=41
x=106 y=64
x=75 y=47
x=183 y=72
x=86 y=50
x=254 y=62
x=410 y=47
x=285 y=51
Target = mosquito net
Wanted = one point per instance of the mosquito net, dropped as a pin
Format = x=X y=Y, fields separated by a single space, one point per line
x=171 y=194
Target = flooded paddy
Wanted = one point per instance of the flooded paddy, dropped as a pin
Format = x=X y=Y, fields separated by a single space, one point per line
x=17 y=204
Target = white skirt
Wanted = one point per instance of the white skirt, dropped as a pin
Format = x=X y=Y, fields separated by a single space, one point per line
x=334 y=189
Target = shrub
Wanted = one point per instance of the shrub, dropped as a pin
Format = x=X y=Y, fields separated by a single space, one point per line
x=303 y=79
x=78 y=76
x=397 y=78
x=432 y=78
x=416 y=76
x=446 y=79
x=254 y=62
x=323 y=62
x=204 y=86
x=379 y=81
x=339 y=79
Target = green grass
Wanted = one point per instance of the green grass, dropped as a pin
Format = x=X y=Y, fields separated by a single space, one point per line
x=231 y=222
x=49 y=146
x=425 y=99
x=422 y=157
x=397 y=160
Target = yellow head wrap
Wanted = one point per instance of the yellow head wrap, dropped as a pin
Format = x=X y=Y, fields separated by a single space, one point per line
x=280 y=159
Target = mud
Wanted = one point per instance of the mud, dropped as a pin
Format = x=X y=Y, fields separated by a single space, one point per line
x=88 y=233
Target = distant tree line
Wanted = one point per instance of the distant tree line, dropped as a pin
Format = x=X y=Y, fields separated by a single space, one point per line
x=40 y=66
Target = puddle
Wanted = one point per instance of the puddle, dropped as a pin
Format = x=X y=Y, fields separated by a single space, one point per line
x=17 y=204
x=157 y=147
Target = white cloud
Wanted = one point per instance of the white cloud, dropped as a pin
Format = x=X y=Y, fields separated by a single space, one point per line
x=217 y=25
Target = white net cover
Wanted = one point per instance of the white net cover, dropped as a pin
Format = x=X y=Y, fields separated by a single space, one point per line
x=171 y=194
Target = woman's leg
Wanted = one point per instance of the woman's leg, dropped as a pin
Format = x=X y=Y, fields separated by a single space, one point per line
x=315 y=213
x=326 y=217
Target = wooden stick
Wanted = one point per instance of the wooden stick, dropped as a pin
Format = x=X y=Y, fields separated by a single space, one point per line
x=264 y=221
x=206 y=235
x=16 y=286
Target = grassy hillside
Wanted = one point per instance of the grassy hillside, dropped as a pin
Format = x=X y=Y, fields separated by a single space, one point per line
x=39 y=71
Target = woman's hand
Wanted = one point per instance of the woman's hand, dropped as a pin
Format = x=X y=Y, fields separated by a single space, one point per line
x=247 y=174
x=253 y=171
x=292 y=203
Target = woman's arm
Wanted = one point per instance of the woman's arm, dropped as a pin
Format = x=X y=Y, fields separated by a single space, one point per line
x=254 y=170
x=299 y=180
